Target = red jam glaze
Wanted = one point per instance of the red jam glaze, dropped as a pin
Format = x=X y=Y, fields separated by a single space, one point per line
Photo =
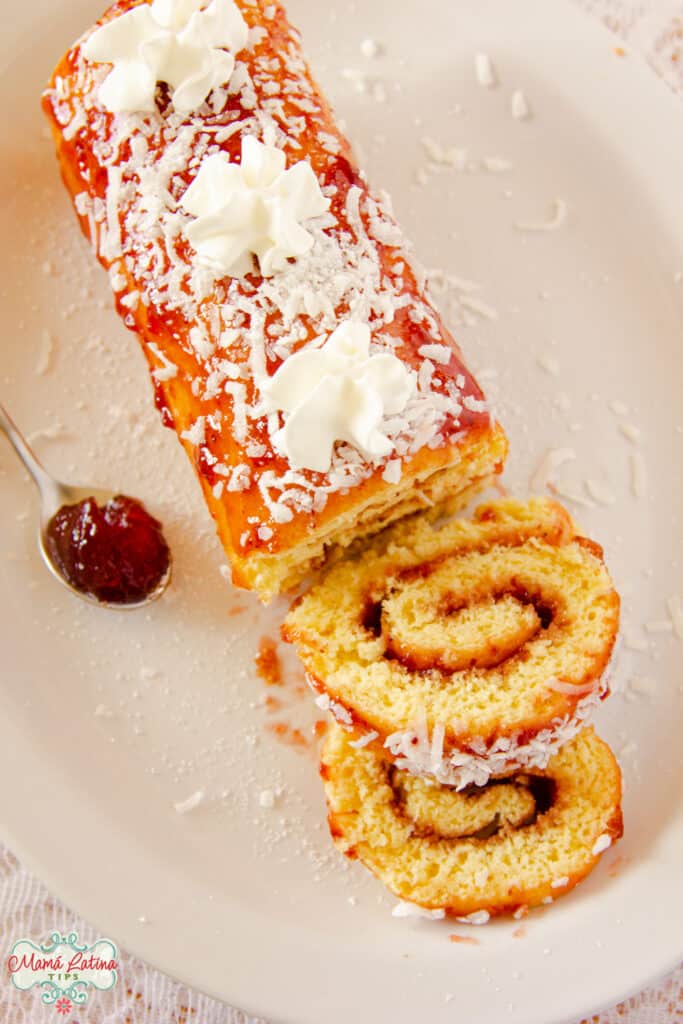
x=116 y=553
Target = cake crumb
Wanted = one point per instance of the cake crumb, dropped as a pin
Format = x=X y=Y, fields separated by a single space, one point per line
x=468 y=940
x=267 y=661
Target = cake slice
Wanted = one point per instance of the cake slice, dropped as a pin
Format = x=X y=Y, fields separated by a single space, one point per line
x=496 y=849
x=291 y=340
x=467 y=650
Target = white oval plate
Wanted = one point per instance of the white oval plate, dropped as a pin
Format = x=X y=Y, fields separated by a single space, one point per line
x=108 y=719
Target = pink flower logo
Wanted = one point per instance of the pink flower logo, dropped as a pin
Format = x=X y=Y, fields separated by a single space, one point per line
x=63 y=1006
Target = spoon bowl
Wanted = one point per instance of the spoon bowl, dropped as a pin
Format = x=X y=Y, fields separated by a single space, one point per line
x=56 y=495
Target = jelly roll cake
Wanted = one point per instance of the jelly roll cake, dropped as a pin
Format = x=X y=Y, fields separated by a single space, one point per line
x=460 y=664
x=468 y=650
x=290 y=337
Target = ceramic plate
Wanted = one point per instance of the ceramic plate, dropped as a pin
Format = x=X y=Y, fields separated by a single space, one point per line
x=109 y=719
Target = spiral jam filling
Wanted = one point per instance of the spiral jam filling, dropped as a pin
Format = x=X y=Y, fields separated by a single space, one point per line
x=466 y=651
x=479 y=812
x=533 y=613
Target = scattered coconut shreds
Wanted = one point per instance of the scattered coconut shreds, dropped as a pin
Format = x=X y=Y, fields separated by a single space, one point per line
x=46 y=354
x=405 y=909
x=519 y=106
x=370 y=48
x=102 y=711
x=560 y=212
x=549 y=364
x=630 y=432
x=659 y=626
x=638 y=475
x=600 y=492
x=266 y=798
x=485 y=71
x=189 y=804
x=618 y=407
x=548 y=466
x=675 y=608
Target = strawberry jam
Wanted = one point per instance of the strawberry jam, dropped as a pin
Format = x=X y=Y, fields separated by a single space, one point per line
x=116 y=553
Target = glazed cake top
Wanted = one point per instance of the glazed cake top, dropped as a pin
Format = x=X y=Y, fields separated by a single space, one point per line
x=226 y=334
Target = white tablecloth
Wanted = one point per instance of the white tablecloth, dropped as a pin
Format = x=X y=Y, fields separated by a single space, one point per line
x=144 y=995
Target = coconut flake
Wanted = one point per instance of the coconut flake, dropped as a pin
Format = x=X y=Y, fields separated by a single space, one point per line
x=602 y=843
x=571 y=689
x=485 y=71
x=560 y=211
x=46 y=353
x=519 y=106
x=370 y=48
x=405 y=909
x=638 y=475
x=363 y=741
x=548 y=466
x=477 y=917
x=190 y=803
x=630 y=432
x=392 y=471
x=600 y=492
x=675 y=608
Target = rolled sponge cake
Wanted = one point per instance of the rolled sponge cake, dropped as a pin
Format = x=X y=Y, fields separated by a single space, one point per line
x=214 y=340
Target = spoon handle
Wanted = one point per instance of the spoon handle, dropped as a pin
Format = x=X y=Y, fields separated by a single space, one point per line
x=46 y=485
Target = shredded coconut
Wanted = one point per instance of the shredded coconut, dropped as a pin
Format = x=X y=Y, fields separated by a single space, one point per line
x=190 y=803
x=519 y=106
x=485 y=71
x=602 y=843
x=560 y=212
x=405 y=909
x=548 y=466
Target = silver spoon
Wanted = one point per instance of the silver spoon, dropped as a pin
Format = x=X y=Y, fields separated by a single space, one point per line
x=55 y=495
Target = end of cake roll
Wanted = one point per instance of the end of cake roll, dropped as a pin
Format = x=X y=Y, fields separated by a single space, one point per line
x=307 y=372
x=474 y=463
x=487 y=851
